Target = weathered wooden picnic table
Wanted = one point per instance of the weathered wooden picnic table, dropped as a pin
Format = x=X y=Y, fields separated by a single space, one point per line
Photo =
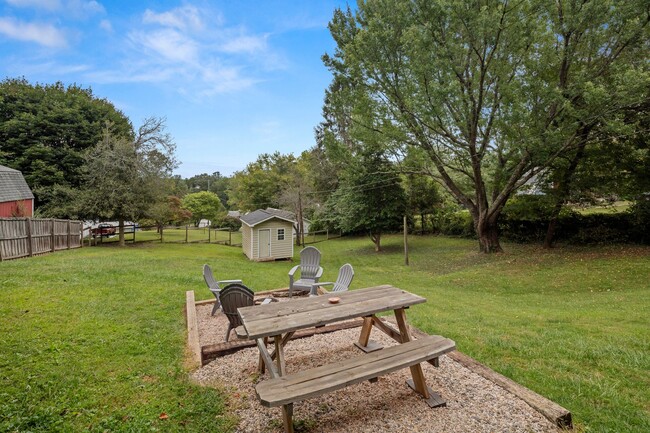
x=278 y=321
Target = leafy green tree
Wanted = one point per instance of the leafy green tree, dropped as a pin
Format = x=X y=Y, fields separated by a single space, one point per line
x=44 y=132
x=492 y=92
x=125 y=178
x=260 y=185
x=214 y=182
x=370 y=197
x=204 y=205
x=167 y=212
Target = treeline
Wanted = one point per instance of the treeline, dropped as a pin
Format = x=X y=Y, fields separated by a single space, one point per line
x=436 y=109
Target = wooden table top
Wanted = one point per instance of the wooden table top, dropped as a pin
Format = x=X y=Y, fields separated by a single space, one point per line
x=281 y=317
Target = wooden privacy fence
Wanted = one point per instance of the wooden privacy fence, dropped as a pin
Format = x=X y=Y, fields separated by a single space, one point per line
x=26 y=237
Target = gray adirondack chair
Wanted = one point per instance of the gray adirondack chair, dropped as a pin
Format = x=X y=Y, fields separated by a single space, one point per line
x=342 y=283
x=215 y=286
x=310 y=270
x=234 y=296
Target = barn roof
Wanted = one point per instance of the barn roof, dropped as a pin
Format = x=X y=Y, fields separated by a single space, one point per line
x=259 y=216
x=13 y=186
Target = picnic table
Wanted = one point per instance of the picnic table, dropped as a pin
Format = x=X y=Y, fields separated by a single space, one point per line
x=280 y=320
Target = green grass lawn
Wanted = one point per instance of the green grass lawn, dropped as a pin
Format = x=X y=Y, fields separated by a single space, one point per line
x=93 y=339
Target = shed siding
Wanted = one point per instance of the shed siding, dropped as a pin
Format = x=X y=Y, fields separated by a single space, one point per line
x=279 y=249
x=246 y=240
x=10 y=209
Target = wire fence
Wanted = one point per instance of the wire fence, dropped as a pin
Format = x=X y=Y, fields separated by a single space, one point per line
x=134 y=233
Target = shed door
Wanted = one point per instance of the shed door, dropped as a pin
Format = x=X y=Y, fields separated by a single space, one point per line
x=265 y=243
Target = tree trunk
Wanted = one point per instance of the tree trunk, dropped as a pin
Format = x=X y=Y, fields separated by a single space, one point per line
x=376 y=239
x=488 y=235
x=563 y=189
x=121 y=228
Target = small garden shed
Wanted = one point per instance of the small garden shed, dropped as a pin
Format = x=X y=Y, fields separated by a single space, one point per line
x=267 y=234
x=16 y=199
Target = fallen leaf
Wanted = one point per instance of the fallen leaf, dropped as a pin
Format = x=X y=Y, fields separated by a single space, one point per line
x=163 y=416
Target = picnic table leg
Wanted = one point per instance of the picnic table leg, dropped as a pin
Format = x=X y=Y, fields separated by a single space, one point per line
x=365 y=331
x=279 y=352
x=364 y=342
x=287 y=414
x=416 y=371
x=260 y=366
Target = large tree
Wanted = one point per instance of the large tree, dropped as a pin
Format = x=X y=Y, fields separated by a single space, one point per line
x=260 y=184
x=492 y=92
x=204 y=205
x=125 y=178
x=370 y=198
x=44 y=132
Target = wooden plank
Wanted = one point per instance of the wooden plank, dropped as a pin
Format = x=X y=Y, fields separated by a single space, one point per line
x=434 y=400
x=387 y=329
x=318 y=311
x=416 y=370
x=214 y=351
x=261 y=345
x=193 y=344
x=364 y=336
x=330 y=377
x=279 y=354
x=549 y=409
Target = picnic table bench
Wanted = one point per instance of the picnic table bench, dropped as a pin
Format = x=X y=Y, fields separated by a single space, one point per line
x=281 y=320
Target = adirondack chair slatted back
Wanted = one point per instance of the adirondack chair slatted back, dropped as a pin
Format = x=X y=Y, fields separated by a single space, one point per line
x=215 y=286
x=344 y=279
x=208 y=276
x=309 y=262
x=234 y=296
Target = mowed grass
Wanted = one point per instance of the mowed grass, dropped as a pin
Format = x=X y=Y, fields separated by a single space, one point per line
x=93 y=339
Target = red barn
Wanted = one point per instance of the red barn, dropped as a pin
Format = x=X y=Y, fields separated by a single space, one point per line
x=16 y=199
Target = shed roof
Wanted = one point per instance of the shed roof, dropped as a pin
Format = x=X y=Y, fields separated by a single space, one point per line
x=259 y=216
x=13 y=186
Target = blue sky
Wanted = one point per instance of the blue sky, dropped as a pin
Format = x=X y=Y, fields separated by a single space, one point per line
x=233 y=78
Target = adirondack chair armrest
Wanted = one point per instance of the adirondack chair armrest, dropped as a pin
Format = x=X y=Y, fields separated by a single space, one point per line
x=318 y=274
x=293 y=270
x=315 y=286
x=229 y=282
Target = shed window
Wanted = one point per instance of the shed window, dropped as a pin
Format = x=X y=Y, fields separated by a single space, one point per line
x=280 y=234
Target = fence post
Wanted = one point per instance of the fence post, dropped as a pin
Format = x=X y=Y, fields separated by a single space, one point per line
x=81 y=234
x=53 y=236
x=229 y=236
x=406 y=243
x=209 y=238
x=28 y=229
x=162 y=229
x=187 y=228
x=327 y=234
x=69 y=234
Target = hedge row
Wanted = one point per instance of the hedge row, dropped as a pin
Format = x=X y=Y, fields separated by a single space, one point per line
x=625 y=227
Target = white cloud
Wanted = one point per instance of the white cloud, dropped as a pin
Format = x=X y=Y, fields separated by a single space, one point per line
x=245 y=44
x=106 y=25
x=76 y=7
x=86 y=7
x=183 y=18
x=191 y=49
x=42 y=34
x=168 y=44
x=40 y=4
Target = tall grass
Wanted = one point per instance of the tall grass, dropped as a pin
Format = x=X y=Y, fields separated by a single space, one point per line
x=93 y=339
